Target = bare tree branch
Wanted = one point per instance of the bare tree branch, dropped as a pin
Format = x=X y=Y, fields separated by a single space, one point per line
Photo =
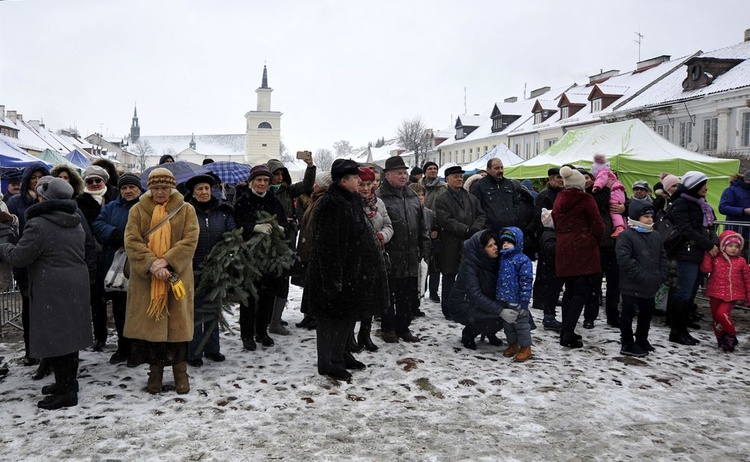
x=413 y=136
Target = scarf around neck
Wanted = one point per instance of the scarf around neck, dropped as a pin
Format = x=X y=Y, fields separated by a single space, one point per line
x=371 y=202
x=708 y=212
x=97 y=195
x=159 y=242
x=640 y=227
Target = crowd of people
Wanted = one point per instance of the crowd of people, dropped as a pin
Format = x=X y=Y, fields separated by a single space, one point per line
x=372 y=243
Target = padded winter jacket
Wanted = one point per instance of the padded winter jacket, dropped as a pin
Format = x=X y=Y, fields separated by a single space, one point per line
x=213 y=222
x=579 y=229
x=459 y=215
x=473 y=295
x=515 y=274
x=730 y=276
x=687 y=217
x=734 y=200
x=642 y=261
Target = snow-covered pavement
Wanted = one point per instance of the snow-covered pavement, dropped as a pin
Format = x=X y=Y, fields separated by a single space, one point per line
x=429 y=401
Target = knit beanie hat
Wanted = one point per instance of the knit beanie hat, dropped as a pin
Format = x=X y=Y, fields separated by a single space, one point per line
x=547 y=221
x=260 y=170
x=694 y=180
x=129 y=178
x=639 y=207
x=427 y=164
x=730 y=237
x=324 y=180
x=668 y=181
x=161 y=177
x=507 y=236
x=52 y=188
x=572 y=178
x=417 y=171
x=95 y=170
x=366 y=174
x=600 y=162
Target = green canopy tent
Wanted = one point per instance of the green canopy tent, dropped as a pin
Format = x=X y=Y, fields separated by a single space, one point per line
x=52 y=157
x=634 y=151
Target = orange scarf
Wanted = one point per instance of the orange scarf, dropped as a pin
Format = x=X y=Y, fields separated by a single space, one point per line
x=159 y=242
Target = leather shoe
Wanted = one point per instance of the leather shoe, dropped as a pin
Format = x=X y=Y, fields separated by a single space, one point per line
x=55 y=389
x=588 y=324
x=118 y=357
x=53 y=402
x=28 y=361
x=249 y=344
x=264 y=340
x=434 y=298
x=99 y=345
x=419 y=314
x=338 y=374
x=216 y=357
x=409 y=337
x=195 y=362
x=390 y=337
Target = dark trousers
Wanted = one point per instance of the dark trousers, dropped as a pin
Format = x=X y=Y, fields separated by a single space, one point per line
x=433 y=281
x=255 y=317
x=65 y=368
x=98 y=312
x=26 y=323
x=484 y=326
x=397 y=316
x=206 y=327
x=611 y=272
x=578 y=290
x=119 y=304
x=547 y=288
x=645 y=307
x=449 y=280
x=332 y=336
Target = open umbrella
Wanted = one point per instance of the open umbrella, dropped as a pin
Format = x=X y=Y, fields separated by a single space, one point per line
x=230 y=172
x=182 y=171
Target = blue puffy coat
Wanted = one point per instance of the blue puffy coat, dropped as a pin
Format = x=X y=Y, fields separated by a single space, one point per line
x=213 y=222
x=515 y=274
x=473 y=295
x=734 y=200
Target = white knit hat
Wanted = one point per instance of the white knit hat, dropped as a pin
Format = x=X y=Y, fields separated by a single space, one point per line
x=572 y=178
x=691 y=179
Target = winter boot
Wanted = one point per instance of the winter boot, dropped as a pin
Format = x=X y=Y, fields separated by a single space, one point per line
x=42 y=371
x=513 y=350
x=494 y=341
x=390 y=336
x=351 y=344
x=181 y=382
x=550 y=323
x=308 y=322
x=156 y=371
x=276 y=326
x=523 y=354
x=570 y=340
x=363 y=336
x=467 y=338
x=633 y=350
x=679 y=315
x=350 y=362
x=248 y=343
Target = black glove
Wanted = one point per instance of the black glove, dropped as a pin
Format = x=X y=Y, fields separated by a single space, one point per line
x=118 y=238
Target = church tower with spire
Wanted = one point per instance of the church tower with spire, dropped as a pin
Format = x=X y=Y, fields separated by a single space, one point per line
x=135 y=129
x=263 y=129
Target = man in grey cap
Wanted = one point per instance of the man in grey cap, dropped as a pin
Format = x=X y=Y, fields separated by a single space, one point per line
x=642 y=191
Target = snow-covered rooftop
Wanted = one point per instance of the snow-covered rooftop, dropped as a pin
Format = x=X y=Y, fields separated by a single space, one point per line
x=233 y=145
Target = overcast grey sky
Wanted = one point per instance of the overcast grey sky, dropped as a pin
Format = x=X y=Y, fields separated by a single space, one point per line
x=348 y=70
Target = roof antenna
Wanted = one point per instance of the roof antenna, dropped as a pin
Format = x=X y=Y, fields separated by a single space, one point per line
x=639 y=42
x=465 y=101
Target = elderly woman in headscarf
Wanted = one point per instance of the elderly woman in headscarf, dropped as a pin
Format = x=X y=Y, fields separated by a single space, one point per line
x=160 y=239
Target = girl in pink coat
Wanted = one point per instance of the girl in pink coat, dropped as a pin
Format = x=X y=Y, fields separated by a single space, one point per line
x=601 y=171
x=728 y=284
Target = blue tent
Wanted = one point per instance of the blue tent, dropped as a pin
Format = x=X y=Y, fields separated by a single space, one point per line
x=79 y=159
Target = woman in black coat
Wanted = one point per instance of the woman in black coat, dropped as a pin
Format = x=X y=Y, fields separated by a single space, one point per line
x=694 y=218
x=254 y=318
x=473 y=300
x=346 y=279
x=214 y=219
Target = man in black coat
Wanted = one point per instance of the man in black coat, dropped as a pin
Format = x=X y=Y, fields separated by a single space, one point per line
x=409 y=244
x=545 y=200
x=347 y=280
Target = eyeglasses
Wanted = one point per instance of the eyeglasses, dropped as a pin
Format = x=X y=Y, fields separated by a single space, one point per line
x=93 y=180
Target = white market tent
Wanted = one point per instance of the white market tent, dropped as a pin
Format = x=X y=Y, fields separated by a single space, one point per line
x=634 y=151
x=501 y=152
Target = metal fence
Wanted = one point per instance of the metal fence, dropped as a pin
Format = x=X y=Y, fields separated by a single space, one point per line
x=10 y=310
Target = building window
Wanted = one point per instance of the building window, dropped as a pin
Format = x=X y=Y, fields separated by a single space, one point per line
x=265 y=125
x=536 y=148
x=564 y=112
x=746 y=129
x=537 y=118
x=710 y=133
x=485 y=148
x=663 y=131
x=686 y=133
x=264 y=145
x=528 y=150
x=596 y=105
x=518 y=148
x=471 y=150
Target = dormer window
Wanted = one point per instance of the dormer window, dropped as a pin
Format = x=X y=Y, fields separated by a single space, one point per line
x=596 y=105
x=702 y=71
x=564 y=112
x=500 y=121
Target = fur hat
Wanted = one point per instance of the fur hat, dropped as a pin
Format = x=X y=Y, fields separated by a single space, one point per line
x=668 y=181
x=639 y=207
x=129 y=178
x=694 y=180
x=95 y=170
x=324 y=180
x=730 y=237
x=161 y=177
x=52 y=188
x=366 y=174
x=507 y=236
x=343 y=167
x=573 y=178
x=260 y=170
x=600 y=163
x=547 y=221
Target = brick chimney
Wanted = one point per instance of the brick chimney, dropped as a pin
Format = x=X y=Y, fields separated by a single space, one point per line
x=12 y=116
x=512 y=99
x=653 y=62
x=19 y=117
x=602 y=76
x=34 y=124
x=747 y=35
x=538 y=91
x=2 y=111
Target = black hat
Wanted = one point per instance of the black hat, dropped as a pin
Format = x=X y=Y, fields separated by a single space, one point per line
x=129 y=178
x=343 y=167
x=428 y=163
x=508 y=236
x=416 y=171
x=454 y=169
x=553 y=171
x=392 y=163
x=14 y=177
x=639 y=207
x=198 y=179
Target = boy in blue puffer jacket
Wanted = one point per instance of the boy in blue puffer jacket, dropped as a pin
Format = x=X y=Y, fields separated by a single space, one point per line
x=514 y=282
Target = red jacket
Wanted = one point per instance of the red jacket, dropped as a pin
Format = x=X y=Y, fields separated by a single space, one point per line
x=730 y=276
x=579 y=228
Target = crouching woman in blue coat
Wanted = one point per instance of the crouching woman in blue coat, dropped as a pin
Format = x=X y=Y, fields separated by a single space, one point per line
x=472 y=301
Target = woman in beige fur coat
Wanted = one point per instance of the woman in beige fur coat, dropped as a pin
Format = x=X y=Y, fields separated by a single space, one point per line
x=160 y=324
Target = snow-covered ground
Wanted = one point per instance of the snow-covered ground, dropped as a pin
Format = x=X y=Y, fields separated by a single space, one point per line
x=429 y=401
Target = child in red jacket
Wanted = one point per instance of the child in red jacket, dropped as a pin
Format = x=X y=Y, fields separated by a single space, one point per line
x=728 y=284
